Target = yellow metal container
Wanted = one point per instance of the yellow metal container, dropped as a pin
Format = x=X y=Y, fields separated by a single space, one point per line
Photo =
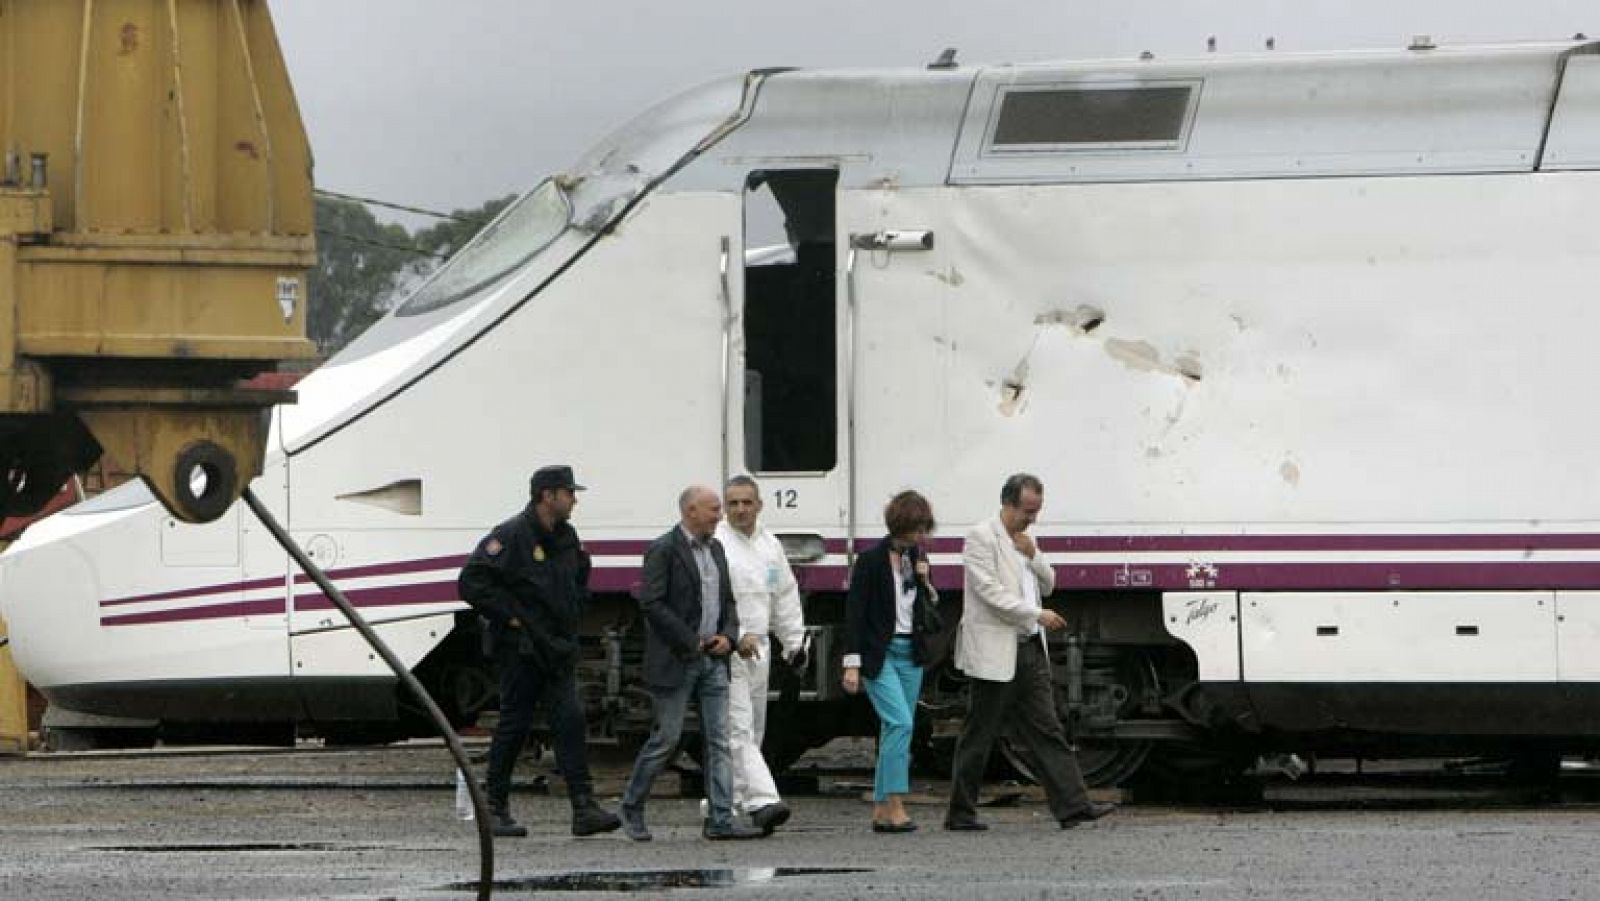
x=155 y=229
x=13 y=703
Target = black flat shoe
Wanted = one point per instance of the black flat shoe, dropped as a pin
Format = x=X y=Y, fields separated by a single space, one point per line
x=907 y=826
x=1090 y=812
x=968 y=825
x=770 y=817
x=733 y=832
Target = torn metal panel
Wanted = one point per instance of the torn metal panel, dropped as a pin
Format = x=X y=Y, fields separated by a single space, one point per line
x=1210 y=348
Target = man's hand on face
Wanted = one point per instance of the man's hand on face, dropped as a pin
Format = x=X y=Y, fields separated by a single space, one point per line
x=1024 y=544
x=749 y=646
x=716 y=646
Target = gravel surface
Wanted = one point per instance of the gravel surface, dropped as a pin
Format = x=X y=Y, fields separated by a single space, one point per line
x=379 y=824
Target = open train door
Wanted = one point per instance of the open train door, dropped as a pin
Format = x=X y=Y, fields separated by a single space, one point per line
x=787 y=413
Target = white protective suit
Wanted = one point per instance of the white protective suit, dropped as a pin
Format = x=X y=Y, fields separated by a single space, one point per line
x=769 y=601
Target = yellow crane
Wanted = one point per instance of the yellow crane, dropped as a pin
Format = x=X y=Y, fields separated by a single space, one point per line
x=156 y=225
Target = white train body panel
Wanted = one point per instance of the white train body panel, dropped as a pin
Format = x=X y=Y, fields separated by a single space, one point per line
x=1313 y=363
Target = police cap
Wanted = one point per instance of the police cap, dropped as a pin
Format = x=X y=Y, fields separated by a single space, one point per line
x=551 y=478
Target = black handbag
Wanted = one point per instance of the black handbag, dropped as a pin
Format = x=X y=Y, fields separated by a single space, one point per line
x=925 y=616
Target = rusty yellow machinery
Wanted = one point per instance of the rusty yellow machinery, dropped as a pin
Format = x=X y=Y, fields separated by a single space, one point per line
x=155 y=230
x=13 y=701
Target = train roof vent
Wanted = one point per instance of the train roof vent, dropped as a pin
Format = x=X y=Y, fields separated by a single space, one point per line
x=1047 y=118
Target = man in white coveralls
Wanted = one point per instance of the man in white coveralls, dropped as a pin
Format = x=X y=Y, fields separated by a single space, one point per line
x=769 y=601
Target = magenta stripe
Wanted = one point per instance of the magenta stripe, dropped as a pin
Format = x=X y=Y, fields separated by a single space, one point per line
x=1336 y=576
x=1067 y=544
x=945 y=545
x=194 y=614
x=387 y=596
x=1098 y=577
x=394 y=568
x=1280 y=577
x=355 y=572
x=1087 y=544
x=623 y=579
x=620 y=579
x=617 y=548
x=1436 y=542
x=198 y=591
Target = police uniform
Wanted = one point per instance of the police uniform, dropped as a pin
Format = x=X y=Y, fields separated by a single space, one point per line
x=538 y=578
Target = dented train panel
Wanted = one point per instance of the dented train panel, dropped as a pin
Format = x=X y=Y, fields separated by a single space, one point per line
x=1292 y=340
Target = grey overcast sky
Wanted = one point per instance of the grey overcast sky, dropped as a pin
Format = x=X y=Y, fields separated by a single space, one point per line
x=446 y=103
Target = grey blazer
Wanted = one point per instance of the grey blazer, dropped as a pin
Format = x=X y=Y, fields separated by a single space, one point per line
x=670 y=601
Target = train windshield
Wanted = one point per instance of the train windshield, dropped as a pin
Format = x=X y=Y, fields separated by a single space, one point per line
x=504 y=245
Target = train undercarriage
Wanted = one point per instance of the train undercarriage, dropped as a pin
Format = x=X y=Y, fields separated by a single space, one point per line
x=1128 y=694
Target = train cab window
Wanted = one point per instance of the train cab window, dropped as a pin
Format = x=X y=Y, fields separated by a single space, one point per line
x=790 y=382
x=1033 y=119
x=502 y=247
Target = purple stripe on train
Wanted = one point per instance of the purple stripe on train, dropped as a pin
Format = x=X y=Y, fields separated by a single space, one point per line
x=818 y=578
x=1098 y=577
x=272 y=607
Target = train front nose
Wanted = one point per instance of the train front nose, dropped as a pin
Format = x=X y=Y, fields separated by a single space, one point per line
x=50 y=598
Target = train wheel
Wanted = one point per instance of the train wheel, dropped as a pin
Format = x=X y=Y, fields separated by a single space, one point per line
x=1104 y=763
x=788 y=737
x=791 y=732
x=463 y=691
x=1118 y=684
x=1192 y=773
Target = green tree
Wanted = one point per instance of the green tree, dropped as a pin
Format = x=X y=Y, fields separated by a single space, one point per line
x=363 y=264
x=360 y=262
x=450 y=235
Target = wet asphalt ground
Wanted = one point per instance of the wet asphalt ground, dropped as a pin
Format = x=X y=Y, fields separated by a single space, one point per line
x=370 y=824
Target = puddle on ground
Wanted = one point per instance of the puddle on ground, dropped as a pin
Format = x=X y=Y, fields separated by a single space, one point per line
x=651 y=880
x=236 y=846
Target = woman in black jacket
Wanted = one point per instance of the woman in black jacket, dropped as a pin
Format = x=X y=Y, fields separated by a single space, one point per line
x=891 y=614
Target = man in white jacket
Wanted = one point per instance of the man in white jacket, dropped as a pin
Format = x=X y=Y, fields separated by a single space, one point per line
x=769 y=601
x=1001 y=647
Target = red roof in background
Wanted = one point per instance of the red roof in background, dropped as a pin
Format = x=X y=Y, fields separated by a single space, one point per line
x=11 y=527
x=273 y=381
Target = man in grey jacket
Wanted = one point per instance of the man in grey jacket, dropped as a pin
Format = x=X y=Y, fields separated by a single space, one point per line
x=1001 y=647
x=691 y=624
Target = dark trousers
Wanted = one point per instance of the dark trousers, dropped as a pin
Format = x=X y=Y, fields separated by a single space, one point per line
x=1027 y=705
x=522 y=688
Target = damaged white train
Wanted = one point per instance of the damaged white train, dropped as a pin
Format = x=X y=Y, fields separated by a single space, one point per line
x=1296 y=343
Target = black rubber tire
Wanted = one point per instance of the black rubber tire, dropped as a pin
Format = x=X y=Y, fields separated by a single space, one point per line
x=221 y=487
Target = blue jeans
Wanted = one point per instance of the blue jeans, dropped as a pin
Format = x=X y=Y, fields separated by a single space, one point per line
x=894 y=692
x=705 y=680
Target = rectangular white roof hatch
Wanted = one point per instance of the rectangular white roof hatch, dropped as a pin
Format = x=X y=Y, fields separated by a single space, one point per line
x=1265 y=116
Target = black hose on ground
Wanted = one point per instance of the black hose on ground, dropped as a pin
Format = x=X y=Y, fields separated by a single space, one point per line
x=479 y=803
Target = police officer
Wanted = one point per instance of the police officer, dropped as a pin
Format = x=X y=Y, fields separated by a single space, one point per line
x=529 y=578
